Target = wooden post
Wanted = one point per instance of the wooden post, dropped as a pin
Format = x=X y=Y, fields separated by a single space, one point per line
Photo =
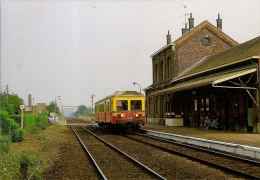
x=22 y=107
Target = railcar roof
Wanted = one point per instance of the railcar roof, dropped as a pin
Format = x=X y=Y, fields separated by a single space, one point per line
x=122 y=94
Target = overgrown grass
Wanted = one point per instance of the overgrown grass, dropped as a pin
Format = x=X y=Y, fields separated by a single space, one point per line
x=21 y=164
x=26 y=163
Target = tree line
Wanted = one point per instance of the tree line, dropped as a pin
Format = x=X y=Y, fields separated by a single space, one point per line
x=82 y=111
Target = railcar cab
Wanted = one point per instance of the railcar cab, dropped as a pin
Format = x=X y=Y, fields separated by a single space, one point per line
x=126 y=108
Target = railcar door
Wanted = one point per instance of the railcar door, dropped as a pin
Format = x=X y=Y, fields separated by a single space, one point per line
x=108 y=112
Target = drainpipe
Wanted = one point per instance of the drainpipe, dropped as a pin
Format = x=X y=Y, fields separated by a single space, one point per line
x=257 y=91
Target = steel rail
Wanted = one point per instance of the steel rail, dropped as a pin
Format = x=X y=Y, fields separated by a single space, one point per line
x=118 y=150
x=93 y=160
x=198 y=159
x=202 y=149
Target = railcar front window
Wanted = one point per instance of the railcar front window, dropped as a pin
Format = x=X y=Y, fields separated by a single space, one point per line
x=121 y=105
x=136 y=105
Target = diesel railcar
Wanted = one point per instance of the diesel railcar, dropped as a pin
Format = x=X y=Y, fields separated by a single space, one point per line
x=121 y=110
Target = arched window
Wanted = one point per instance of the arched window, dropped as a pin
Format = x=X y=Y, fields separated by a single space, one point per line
x=162 y=71
x=156 y=73
x=150 y=106
x=169 y=67
x=156 y=105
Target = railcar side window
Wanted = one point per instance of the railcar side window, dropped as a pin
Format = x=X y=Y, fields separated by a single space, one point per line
x=121 y=105
x=136 y=105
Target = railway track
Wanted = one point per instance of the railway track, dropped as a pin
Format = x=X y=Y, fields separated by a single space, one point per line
x=169 y=165
x=173 y=161
x=110 y=162
x=244 y=167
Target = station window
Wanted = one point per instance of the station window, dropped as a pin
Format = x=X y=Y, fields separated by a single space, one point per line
x=156 y=74
x=156 y=105
x=195 y=105
x=202 y=105
x=207 y=104
x=169 y=67
x=162 y=71
x=150 y=106
x=121 y=105
x=136 y=105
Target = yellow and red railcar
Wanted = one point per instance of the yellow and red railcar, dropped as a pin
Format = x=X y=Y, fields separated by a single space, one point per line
x=121 y=109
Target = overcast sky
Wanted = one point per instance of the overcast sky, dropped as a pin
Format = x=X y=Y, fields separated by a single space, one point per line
x=78 y=48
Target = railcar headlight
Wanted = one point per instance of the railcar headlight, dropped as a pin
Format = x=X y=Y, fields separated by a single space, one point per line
x=120 y=115
x=138 y=115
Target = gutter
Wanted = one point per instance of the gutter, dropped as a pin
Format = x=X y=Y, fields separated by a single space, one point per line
x=168 y=45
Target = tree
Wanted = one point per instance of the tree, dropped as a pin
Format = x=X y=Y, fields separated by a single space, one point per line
x=11 y=103
x=83 y=111
x=53 y=108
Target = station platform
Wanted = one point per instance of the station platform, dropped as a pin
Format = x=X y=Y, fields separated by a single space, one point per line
x=240 y=143
x=243 y=138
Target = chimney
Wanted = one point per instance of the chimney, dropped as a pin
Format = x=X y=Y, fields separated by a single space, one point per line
x=191 y=22
x=30 y=100
x=184 y=30
x=219 y=23
x=168 y=37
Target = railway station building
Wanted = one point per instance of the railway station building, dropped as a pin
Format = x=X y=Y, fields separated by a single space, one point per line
x=205 y=73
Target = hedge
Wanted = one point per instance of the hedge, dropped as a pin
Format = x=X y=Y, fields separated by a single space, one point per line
x=34 y=123
x=10 y=128
x=5 y=143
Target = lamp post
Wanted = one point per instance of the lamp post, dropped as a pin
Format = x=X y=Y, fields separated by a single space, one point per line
x=134 y=83
x=56 y=103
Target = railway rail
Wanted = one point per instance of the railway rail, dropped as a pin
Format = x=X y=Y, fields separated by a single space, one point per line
x=163 y=157
x=109 y=161
x=244 y=167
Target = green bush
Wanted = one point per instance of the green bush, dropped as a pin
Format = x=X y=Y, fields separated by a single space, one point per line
x=5 y=144
x=42 y=122
x=16 y=132
x=5 y=122
x=16 y=118
x=32 y=124
x=10 y=127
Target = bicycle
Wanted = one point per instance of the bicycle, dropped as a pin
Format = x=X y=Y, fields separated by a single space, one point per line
x=207 y=122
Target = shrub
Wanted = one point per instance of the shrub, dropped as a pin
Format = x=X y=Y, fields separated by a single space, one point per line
x=16 y=132
x=35 y=123
x=5 y=122
x=42 y=122
x=5 y=143
x=30 y=122
x=16 y=118
x=10 y=127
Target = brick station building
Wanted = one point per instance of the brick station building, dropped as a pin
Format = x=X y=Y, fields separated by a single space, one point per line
x=205 y=73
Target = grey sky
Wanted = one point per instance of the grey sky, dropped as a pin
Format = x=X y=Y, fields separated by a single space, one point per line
x=78 y=48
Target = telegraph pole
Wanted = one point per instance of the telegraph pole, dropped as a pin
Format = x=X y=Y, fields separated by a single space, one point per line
x=92 y=96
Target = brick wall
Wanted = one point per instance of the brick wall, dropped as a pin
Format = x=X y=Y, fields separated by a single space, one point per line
x=194 y=50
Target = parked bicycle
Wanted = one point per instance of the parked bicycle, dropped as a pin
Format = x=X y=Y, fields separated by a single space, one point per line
x=207 y=122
